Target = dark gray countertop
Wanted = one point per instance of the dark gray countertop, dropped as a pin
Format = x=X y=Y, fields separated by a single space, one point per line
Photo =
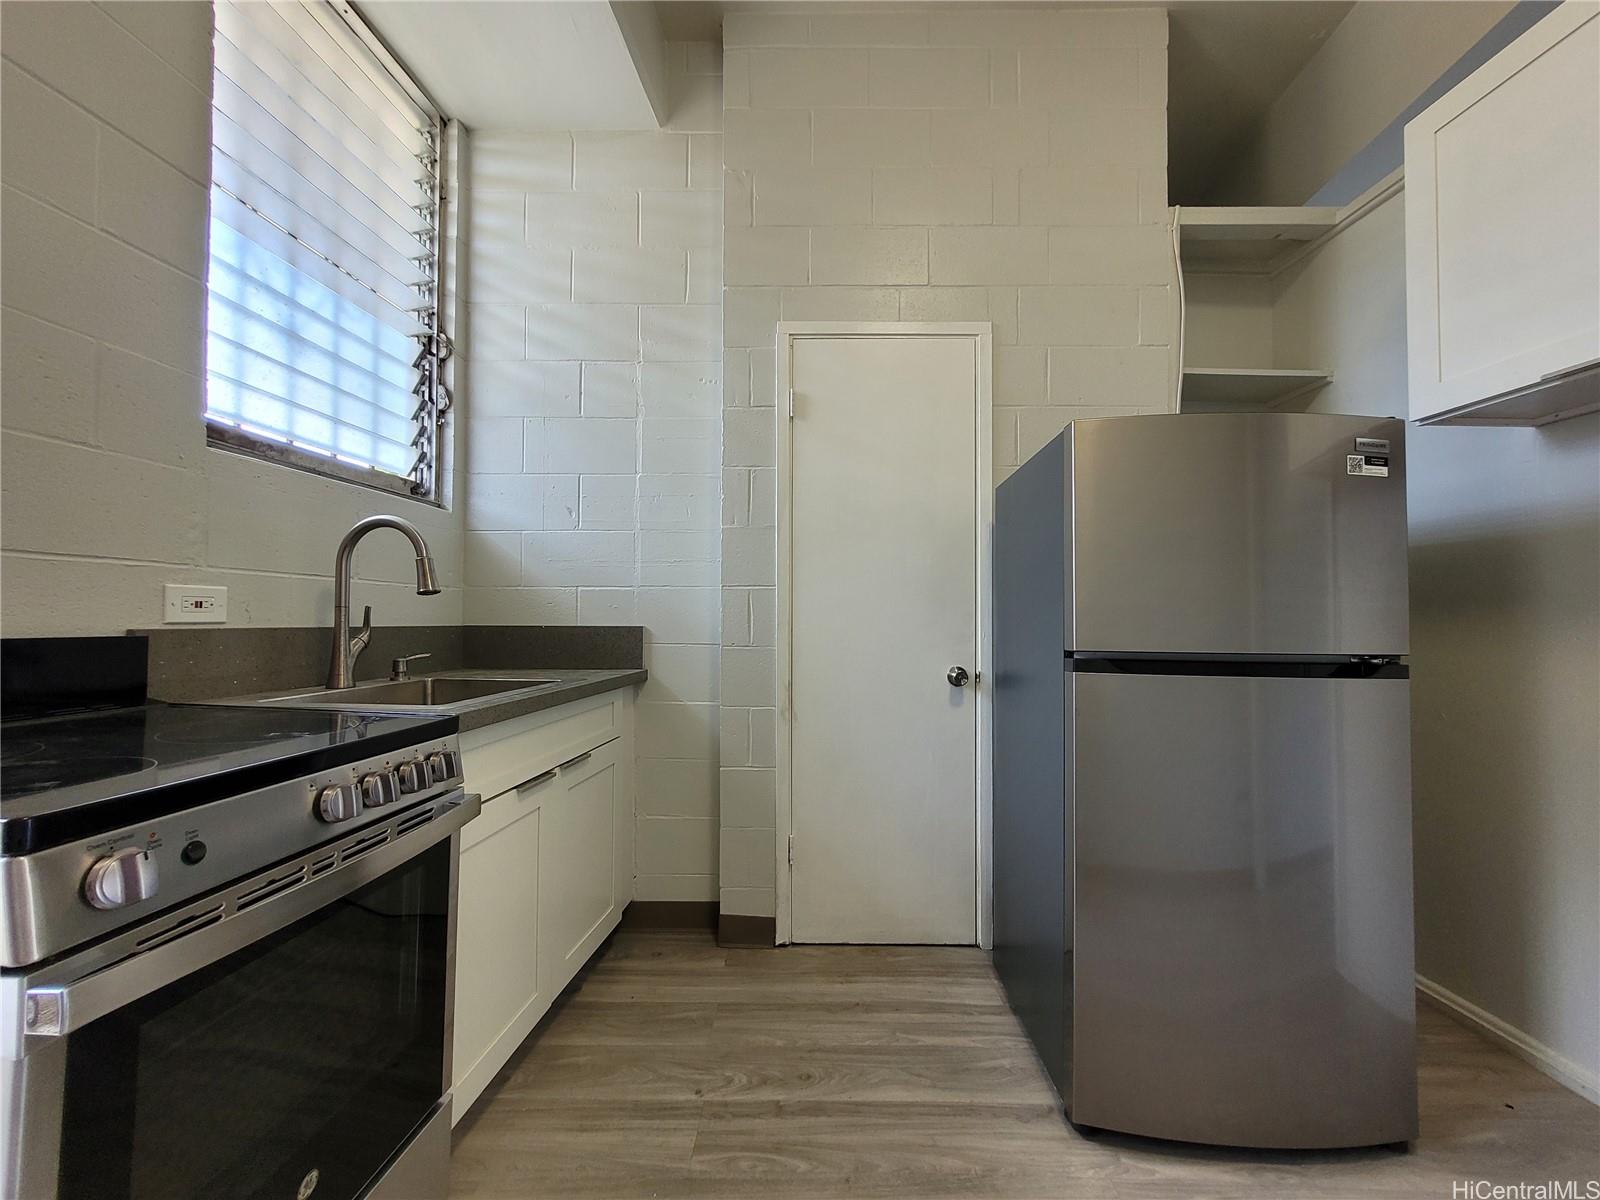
x=475 y=713
x=574 y=685
x=204 y=663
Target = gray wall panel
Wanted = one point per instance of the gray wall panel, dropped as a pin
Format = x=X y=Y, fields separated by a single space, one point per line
x=1030 y=812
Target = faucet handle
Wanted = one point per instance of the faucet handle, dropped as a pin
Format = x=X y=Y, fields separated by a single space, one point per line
x=400 y=668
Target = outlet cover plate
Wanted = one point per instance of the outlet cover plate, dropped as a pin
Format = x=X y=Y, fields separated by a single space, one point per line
x=196 y=604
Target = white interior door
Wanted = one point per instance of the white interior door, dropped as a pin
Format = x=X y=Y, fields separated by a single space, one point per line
x=881 y=580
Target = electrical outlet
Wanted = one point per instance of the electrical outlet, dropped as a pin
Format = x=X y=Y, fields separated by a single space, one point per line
x=196 y=604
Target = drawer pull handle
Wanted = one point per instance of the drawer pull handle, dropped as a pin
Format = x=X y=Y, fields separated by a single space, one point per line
x=537 y=779
x=572 y=762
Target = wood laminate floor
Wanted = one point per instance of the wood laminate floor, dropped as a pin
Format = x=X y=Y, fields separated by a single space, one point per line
x=678 y=1069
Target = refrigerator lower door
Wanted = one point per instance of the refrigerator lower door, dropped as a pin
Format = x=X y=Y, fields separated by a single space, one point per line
x=1242 y=923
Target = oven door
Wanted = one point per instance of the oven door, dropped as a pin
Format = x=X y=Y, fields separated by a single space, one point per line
x=287 y=1049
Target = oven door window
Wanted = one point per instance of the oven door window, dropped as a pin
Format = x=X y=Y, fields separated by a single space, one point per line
x=318 y=1049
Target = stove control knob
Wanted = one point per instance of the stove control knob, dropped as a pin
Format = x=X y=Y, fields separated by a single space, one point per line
x=379 y=788
x=121 y=879
x=414 y=776
x=443 y=765
x=338 y=802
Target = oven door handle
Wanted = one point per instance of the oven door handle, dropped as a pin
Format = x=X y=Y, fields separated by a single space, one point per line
x=53 y=1008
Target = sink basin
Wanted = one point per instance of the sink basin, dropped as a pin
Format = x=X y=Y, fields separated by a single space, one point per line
x=412 y=693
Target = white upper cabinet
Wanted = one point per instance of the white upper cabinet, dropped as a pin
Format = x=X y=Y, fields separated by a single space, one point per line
x=1503 y=233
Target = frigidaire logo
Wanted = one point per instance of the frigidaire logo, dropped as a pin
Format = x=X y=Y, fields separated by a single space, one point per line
x=308 y=1184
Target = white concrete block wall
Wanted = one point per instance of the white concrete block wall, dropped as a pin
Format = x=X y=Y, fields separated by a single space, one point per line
x=593 y=405
x=109 y=488
x=964 y=163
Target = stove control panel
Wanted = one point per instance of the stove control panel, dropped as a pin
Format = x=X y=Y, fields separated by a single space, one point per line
x=349 y=792
x=79 y=891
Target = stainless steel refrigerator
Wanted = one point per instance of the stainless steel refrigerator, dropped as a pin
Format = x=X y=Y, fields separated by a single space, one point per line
x=1202 y=792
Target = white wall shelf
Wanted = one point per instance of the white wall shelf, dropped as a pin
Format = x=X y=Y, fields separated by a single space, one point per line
x=1248 y=239
x=1247 y=389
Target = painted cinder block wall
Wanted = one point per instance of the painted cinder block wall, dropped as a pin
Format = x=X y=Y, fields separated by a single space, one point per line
x=958 y=164
x=592 y=416
x=110 y=490
x=953 y=165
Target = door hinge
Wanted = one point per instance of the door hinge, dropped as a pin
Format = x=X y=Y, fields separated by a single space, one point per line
x=791 y=849
x=791 y=404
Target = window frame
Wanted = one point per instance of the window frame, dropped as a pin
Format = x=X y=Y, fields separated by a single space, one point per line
x=434 y=352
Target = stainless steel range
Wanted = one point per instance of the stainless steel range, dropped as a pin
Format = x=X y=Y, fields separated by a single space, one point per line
x=227 y=940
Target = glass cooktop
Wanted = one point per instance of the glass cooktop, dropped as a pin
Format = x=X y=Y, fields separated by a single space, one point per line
x=172 y=756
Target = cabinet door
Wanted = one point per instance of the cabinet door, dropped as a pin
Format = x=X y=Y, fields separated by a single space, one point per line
x=1502 y=246
x=500 y=991
x=578 y=867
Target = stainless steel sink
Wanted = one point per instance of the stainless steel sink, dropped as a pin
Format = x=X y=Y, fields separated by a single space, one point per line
x=414 y=693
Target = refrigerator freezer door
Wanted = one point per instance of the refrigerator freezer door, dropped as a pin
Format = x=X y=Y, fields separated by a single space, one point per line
x=1237 y=534
x=1243 y=939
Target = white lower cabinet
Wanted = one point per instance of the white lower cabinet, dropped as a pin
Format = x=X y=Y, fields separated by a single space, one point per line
x=546 y=871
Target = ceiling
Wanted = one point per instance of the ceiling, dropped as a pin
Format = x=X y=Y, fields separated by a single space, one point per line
x=538 y=64
x=1227 y=61
x=519 y=65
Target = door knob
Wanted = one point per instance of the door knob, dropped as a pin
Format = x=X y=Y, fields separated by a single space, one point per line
x=957 y=676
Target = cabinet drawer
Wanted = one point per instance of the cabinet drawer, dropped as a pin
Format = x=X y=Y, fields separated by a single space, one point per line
x=499 y=757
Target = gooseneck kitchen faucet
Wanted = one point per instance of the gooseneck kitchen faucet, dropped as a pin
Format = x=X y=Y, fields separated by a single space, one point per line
x=346 y=649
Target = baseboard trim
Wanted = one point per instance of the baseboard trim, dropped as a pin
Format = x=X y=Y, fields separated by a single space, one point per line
x=1531 y=1051
x=670 y=914
x=736 y=930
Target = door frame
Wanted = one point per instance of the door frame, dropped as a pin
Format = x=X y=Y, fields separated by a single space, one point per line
x=981 y=333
